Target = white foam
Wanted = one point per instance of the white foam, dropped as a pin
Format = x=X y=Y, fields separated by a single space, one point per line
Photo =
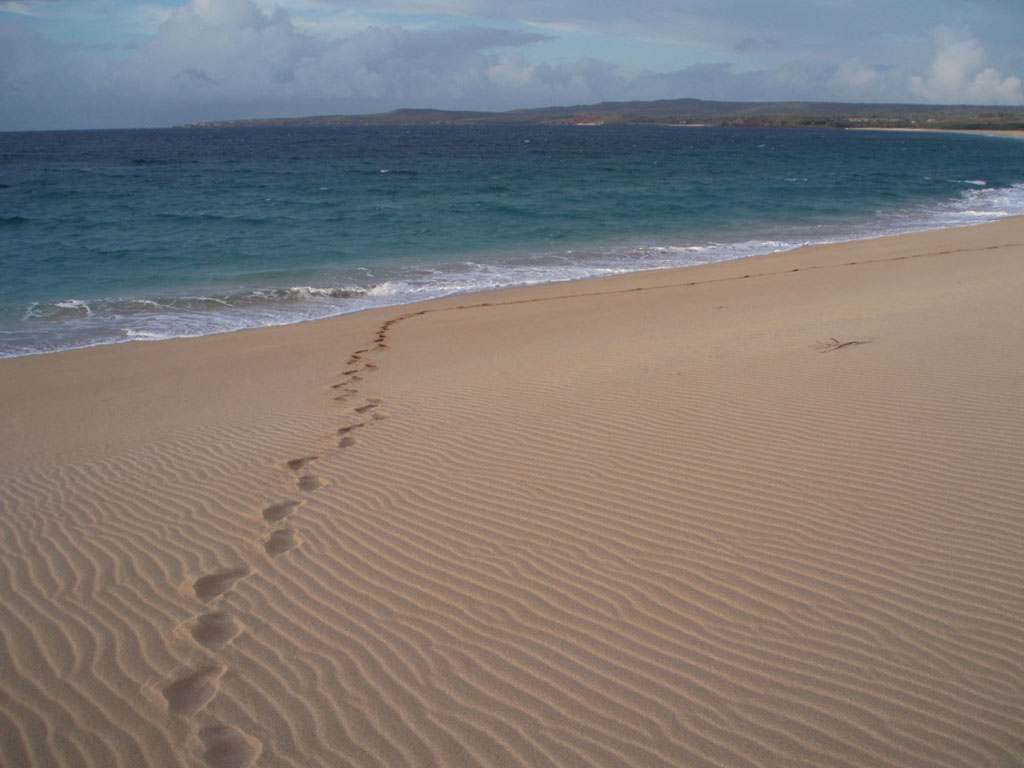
x=74 y=304
x=315 y=292
x=212 y=299
x=388 y=289
x=131 y=333
x=72 y=323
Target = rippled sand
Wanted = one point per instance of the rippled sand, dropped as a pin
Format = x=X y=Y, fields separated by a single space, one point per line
x=759 y=513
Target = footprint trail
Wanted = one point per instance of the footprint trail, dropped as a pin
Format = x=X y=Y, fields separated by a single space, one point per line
x=224 y=746
x=215 y=629
x=277 y=512
x=215 y=584
x=280 y=541
x=193 y=691
x=309 y=482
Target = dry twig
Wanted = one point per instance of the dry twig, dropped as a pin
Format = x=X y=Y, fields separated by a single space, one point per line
x=833 y=344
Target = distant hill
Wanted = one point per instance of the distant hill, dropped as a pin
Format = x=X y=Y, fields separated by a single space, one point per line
x=686 y=112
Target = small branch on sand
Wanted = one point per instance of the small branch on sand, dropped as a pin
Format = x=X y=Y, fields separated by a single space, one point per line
x=833 y=344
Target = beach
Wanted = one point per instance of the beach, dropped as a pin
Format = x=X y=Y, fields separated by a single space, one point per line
x=994 y=133
x=763 y=512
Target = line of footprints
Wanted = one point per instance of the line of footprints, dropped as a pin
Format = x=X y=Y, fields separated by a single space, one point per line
x=225 y=746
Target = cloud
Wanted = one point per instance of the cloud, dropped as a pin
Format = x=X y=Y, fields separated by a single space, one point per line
x=31 y=74
x=958 y=74
x=224 y=59
x=792 y=81
x=749 y=44
x=830 y=30
x=22 y=6
x=955 y=72
x=217 y=59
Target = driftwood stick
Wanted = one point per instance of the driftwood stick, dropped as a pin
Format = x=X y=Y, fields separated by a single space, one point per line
x=837 y=344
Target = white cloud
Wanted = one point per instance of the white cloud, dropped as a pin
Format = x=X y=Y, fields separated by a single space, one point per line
x=954 y=72
x=23 y=9
x=762 y=30
x=227 y=58
x=958 y=74
x=223 y=59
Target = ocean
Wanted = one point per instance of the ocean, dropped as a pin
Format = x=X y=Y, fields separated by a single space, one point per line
x=117 y=236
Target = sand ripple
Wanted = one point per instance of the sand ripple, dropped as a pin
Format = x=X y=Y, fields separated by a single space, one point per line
x=654 y=528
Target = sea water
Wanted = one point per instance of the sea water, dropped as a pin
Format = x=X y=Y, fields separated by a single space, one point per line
x=114 y=236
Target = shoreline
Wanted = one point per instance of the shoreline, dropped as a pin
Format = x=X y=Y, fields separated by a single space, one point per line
x=755 y=512
x=855 y=237
x=68 y=363
x=214 y=286
x=993 y=133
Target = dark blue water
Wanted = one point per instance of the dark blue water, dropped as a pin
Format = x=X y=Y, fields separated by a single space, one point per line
x=110 y=236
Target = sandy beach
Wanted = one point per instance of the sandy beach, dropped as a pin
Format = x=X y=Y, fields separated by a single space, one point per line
x=994 y=132
x=766 y=512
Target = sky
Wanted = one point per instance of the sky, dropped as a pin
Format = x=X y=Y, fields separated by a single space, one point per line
x=120 y=64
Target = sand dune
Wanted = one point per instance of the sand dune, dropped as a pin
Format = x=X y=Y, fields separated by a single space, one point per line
x=761 y=513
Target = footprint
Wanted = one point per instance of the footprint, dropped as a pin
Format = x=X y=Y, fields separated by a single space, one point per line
x=218 y=583
x=190 y=693
x=227 y=747
x=280 y=541
x=215 y=629
x=309 y=483
x=370 y=366
x=345 y=442
x=275 y=513
x=350 y=427
x=298 y=464
x=370 y=405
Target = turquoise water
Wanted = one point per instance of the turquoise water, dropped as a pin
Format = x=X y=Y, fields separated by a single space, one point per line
x=110 y=236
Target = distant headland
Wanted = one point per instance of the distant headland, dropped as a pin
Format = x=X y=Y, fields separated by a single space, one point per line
x=689 y=112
